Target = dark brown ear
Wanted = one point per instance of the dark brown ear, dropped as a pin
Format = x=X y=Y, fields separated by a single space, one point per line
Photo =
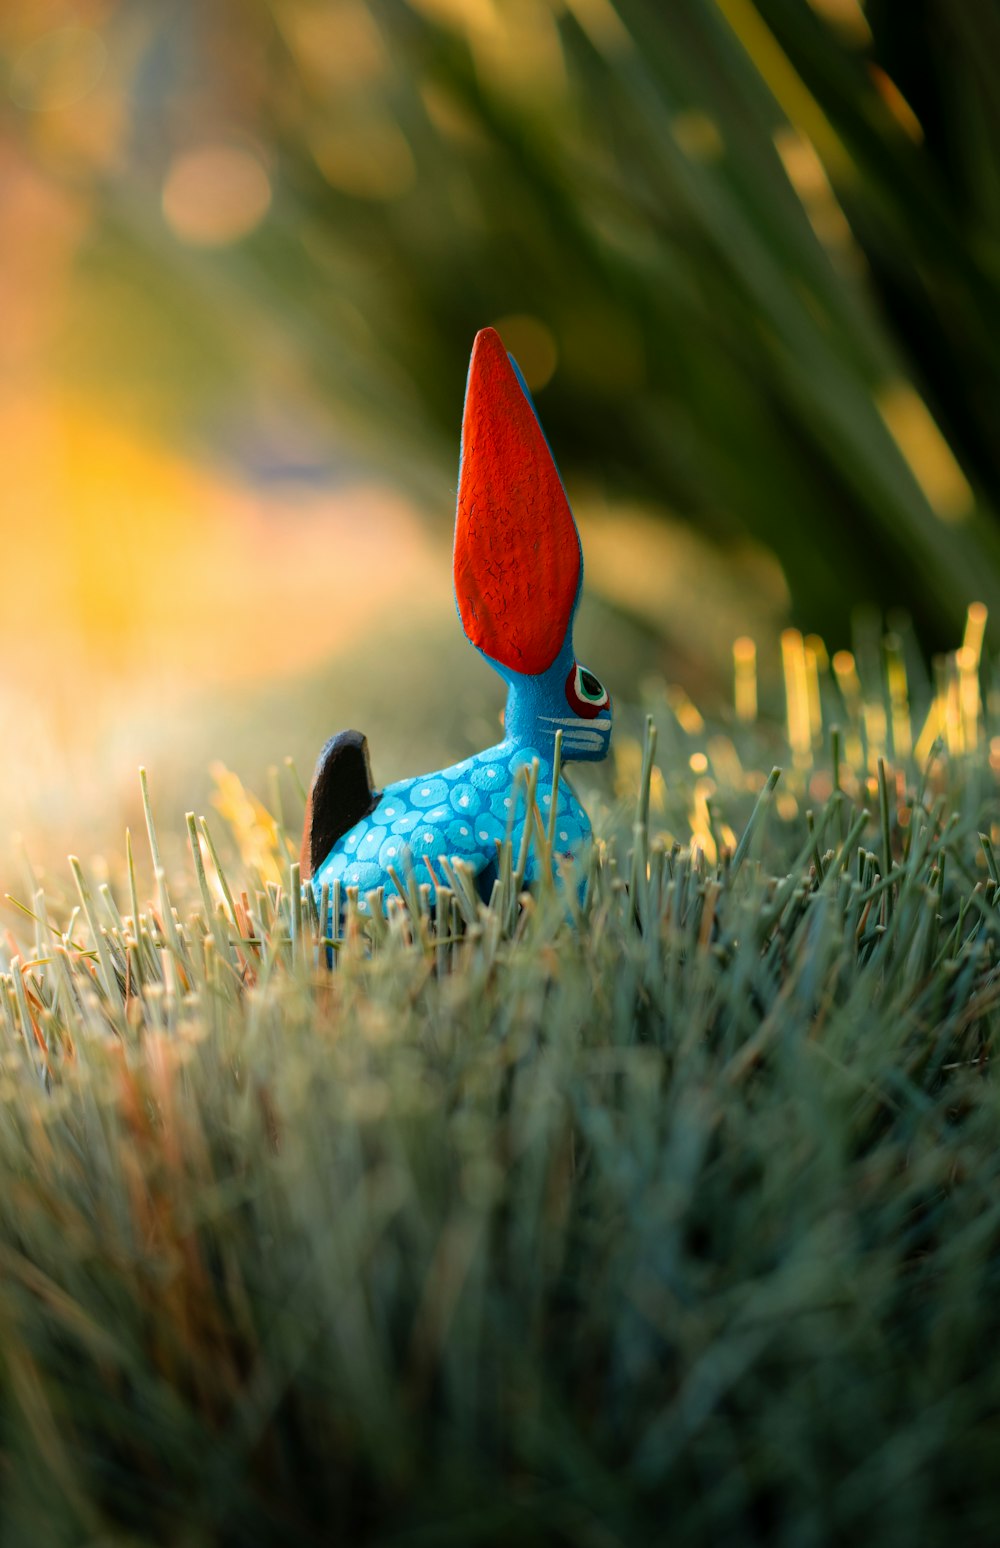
x=342 y=794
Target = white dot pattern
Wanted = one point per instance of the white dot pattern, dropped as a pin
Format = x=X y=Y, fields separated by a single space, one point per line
x=460 y=812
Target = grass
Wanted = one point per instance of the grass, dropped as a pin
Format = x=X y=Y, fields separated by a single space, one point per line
x=668 y=1215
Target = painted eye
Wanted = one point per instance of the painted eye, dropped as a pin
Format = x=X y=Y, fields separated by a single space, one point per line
x=586 y=695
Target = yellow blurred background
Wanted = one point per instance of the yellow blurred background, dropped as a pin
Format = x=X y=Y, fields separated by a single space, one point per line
x=243 y=252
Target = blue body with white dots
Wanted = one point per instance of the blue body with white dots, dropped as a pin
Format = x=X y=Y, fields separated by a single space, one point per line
x=518 y=577
x=459 y=812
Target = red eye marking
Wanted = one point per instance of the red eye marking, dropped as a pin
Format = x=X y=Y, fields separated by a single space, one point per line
x=517 y=553
x=584 y=694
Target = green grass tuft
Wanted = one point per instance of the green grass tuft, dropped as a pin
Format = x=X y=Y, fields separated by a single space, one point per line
x=672 y=1214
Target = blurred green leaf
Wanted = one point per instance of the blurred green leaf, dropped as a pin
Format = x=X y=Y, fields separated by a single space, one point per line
x=761 y=238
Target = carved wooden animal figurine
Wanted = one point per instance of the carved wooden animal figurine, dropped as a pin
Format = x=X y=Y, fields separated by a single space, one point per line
x=518 y=574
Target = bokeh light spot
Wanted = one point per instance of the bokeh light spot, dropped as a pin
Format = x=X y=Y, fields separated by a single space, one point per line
x=370 y=161
x=336 y=47
x=847 y=17
x=533 y=346
x=57 y=69
x=698 y=135
x=215 y=195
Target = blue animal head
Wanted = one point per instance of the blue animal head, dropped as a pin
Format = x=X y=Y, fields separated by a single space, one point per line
x=518 y=563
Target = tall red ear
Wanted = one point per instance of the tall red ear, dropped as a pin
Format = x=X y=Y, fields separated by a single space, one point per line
x=517 y=552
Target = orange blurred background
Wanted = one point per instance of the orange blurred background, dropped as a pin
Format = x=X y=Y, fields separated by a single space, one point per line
x=170 y=602
x=244 y=249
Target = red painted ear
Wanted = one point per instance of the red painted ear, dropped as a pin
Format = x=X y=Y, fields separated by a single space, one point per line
x=517 y=553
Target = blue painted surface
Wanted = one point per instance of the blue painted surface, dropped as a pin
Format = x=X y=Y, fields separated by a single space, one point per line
x=462 y=810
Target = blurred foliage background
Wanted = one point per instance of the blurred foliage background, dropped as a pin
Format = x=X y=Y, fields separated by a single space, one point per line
x=746 y=251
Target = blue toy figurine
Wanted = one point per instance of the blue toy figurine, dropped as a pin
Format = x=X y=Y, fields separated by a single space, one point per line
x=518 y=574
